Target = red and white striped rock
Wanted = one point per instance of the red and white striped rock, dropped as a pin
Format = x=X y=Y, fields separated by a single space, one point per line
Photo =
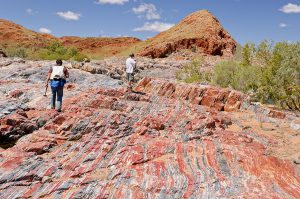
x=111 y=144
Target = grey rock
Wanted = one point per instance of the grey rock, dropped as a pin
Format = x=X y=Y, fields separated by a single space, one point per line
x=295 y=124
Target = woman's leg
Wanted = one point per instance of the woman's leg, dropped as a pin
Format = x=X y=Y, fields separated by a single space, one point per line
x=53 y=97
x=60 y=92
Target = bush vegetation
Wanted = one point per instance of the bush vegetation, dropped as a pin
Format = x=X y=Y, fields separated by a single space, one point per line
x=16 y=52
x=53 y=51
x=269 y=72
x=192 y=72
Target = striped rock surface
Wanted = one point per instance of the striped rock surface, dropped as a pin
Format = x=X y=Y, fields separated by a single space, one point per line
x=219 y=99
x=109 y=143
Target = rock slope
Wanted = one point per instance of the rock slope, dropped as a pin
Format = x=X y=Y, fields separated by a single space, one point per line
x=166 y=140
x=200 y=31
x=14 y=35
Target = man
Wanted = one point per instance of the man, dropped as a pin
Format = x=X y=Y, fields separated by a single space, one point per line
x=57 y=74
x=130 y=65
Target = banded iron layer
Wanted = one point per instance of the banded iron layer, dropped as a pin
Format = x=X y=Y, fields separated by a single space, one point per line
x=165 y=140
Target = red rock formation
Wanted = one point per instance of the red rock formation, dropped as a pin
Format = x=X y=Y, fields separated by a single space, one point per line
x=219 y=99
x=94 y=44
x=111 y=144
x=200 y=31
x=13 y=35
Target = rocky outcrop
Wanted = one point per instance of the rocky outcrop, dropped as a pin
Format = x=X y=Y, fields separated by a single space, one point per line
x=22 y=84
x=219 y=99
x=165 y=140
x=115 y=67
x=200 y=31
x=106 y=145
x=108 y=46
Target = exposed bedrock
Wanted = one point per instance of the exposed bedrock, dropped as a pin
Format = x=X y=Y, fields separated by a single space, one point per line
x=110 y=143
x=219 y=99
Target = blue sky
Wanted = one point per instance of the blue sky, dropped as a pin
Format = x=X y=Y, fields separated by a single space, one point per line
x=246 y=20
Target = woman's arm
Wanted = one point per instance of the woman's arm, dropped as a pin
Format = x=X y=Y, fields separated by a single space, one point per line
x=48 y=76
x=67 y=75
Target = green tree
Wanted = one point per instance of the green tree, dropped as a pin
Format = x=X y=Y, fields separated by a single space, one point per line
x=269 y=72
x=247 y=53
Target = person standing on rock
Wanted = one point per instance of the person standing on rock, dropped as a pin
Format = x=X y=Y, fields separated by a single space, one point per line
x=57 y=74
x=130 y=65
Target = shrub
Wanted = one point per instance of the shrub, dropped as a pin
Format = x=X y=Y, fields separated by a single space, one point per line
x=16 y=52
x=224 y=73
x=275 y=70
x=247 y=54
x=269 y=72
x=234 y=75
x=57 y=51
x=287 y=75
x=238 y=53
x=53 y=51
x=192 y=73
x=194 y=49
x=80 y=57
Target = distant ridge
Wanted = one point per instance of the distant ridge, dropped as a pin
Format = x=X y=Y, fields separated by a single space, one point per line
x=200 y=32
x=14 y=35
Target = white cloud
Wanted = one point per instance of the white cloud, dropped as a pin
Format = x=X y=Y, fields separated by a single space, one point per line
x=118 y=2
x=290 y=8
x=45 y=30
x=282 y=25
x=147 y=10
x=29 y=11
x=154 y=27
x=69 y=15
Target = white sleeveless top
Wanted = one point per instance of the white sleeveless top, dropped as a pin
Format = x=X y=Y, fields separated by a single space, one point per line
x=57 y=72
x=130 y=64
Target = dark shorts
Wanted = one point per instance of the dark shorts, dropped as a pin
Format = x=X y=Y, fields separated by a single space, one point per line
x=130 y=77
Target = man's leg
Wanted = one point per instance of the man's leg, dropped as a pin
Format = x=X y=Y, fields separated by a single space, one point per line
x=127 y=77
x=60 y=92
x=130 y=79
x=53 y=97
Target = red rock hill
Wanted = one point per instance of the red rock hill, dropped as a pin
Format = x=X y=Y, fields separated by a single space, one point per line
x=12 y=34
x=200 y=30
